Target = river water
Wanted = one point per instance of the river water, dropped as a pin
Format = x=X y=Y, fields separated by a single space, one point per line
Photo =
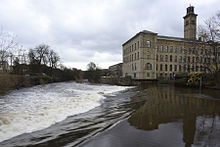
x=72 y=114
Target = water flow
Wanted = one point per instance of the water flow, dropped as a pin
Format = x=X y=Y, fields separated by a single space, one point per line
x=39 y=107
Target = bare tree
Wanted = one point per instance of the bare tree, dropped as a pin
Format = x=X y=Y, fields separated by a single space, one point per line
x=7 y=43
x=210 y=35
x=32 y=57
x=41 y=52
x=53 y=59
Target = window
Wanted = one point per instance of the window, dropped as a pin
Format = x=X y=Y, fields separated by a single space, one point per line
x=188 y=68
x=161 y=67
x=209 y=60
x=156 y=67
x=175 y=68
x=132 y=57
x=181 y=50
x=135 y=57
x=197 y=59
x=156 y=48
x=161 y=57
x=189 y=51
x=192 y=67
x=171 y=58
x=184 y=50
x=161 y=48
x=171 y=68
x=135 y=66
x=148 y=66
x=180 y=59
x=188 y=58
x=148 y=43
x=193 y=59
x=193 y=51
x=197 y=68
x=157 y=57
x=180 y=68
x=197 y=51
x=166 y=58
x=148 y=55
x=132 y=67
x=175 y=59
x=184 y=59
x=184 y=68
x=132 y=47
x=175 y=49
x=171 y=49
x=165 y=67
x=166 y=49
x=201 y=51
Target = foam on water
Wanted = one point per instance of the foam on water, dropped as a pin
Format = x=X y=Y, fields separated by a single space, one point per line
x=39 y=107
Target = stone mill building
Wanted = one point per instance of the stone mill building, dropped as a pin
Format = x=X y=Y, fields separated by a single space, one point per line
x=148 y=55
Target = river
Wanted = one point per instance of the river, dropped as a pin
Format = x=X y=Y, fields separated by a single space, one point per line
x=73 y=114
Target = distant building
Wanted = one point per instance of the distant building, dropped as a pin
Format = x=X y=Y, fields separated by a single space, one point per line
x=116 y=70
x=148 y=55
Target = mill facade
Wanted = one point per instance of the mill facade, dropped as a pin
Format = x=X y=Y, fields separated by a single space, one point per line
x=148 y=55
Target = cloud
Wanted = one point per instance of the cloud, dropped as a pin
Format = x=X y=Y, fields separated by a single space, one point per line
x=94 y=30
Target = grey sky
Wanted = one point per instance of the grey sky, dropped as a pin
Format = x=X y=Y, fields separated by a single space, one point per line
x=94 y=30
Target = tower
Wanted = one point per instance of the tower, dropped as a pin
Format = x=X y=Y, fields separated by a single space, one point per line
x=190 y=23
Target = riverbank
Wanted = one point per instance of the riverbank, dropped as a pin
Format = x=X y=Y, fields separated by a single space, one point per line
x=12 y=81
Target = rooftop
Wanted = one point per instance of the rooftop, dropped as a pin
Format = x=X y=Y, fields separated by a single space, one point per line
x=162 y=37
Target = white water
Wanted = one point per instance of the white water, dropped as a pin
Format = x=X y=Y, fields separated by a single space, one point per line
x=39 y=107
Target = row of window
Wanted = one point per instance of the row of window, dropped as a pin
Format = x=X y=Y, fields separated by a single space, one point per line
x=170 y=49
x=131 y=48
x=133 y=67
x=171 y=68
x=135 y=46
x=169 y=58
x=184 y=68
x=183 y=59
x=132 y=57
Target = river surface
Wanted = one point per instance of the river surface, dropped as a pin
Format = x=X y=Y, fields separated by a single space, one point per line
x=72 y=114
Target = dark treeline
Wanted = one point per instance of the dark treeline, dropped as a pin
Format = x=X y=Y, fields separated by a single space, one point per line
x=42 y=65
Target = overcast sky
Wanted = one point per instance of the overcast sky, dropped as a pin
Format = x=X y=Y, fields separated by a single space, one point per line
x=81 y=31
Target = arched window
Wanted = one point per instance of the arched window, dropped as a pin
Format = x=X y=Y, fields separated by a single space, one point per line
x=171 y=58
x=148 y=66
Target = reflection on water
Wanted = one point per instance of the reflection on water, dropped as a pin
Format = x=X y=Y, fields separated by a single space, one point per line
x=198 y=113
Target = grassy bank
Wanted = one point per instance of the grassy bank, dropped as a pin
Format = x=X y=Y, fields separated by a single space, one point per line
x=12 y=81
